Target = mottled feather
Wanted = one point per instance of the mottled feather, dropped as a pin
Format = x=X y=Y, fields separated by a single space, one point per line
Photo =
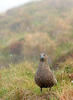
x=44 y=77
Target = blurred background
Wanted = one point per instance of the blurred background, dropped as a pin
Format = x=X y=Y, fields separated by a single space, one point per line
x=35 y=27
x=28 y=28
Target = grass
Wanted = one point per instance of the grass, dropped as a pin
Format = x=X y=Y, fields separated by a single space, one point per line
x=17 y=83
x=55 y=37
x=15 y=77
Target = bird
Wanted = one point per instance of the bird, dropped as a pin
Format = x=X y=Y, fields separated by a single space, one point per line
x=44 y=77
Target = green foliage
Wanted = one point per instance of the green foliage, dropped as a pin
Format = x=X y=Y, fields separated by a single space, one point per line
x=17 y=83
x=68 y=69
x=40 y=17
x=24 y=33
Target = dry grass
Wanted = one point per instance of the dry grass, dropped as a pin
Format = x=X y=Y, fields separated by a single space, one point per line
x=17 y=83
x=67 y=94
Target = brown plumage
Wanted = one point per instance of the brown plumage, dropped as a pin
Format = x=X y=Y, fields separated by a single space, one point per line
x=44 y=77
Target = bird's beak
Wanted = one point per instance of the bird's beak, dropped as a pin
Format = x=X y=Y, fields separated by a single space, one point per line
x=42 y=57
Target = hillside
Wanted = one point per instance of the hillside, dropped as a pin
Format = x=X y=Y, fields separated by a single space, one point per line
x=53 y=17
x=26 y=31
x=43 y=26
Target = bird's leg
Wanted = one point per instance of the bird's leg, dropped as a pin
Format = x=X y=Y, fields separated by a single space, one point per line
x=41 y=90
x=50 y=89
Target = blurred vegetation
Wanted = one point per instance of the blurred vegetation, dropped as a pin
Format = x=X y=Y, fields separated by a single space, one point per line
x=25 y=32
x=43 y=26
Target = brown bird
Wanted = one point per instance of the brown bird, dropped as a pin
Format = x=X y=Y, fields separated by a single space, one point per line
x=44 y=77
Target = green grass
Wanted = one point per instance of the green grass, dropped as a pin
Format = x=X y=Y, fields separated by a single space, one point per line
x=17 y=82
x=19 y=76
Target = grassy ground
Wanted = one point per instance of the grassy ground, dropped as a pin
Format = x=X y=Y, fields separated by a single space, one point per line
x=17 y=83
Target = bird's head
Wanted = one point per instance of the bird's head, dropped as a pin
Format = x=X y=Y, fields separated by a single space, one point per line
x=43 y=57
